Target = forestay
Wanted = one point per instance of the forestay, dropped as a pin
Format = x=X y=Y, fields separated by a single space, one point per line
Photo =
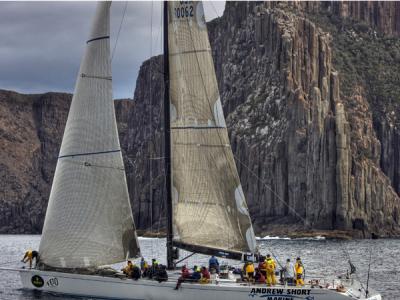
x=209 y=208
x=89 y=220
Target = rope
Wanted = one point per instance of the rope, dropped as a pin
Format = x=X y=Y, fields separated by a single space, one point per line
x=119 y=30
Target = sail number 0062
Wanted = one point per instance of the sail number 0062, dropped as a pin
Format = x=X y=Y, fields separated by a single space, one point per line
x=184 y=11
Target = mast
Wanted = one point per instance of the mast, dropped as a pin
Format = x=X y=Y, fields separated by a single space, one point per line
x=167 y=143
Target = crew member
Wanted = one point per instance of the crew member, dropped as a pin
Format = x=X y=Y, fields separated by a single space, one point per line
x=185 y=275
x=29 y=256
x=299 y=269
x=205 y=275
x=153 y=269
x=260 y=278
x=128 y=269
x=144 y=266
x=288 y=273
x=136 y=273
x=270 y=270
x=262 y=266
x=213 y=263
x=161 y=274
x=196 y=275
x=249 y=271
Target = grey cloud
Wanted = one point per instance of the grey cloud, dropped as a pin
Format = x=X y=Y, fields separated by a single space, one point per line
x=41 y=43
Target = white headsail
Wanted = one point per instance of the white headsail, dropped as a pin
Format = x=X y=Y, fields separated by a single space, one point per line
x=89 y=219
x=209 y=208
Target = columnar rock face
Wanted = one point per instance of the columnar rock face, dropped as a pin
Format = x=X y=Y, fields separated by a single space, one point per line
x=30 y=135
x=383 y=16
x=308 y=153
x=31 y=129
x=311 y=112
x=145 y=144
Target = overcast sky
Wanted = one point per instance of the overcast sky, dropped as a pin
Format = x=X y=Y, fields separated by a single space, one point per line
x=41 y=43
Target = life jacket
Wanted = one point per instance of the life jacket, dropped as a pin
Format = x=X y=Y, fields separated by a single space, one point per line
x=270 y=265
x=299 y=268
x=128 y=269
x=250 y=268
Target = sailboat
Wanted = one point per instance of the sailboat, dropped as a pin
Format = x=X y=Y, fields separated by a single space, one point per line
x=89 y=221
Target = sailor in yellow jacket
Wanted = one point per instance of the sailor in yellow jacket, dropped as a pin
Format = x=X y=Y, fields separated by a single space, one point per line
x=29 y=256
x=248 y=269
x=299 y=269
x=270 y=268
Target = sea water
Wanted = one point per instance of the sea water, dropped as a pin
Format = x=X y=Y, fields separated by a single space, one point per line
x=321 y=258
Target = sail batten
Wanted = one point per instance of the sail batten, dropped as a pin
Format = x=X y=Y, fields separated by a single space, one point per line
x=89 y=220
x=210 y=214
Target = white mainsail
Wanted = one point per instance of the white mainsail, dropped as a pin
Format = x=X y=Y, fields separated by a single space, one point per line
x=89 y=219
x=209 y=208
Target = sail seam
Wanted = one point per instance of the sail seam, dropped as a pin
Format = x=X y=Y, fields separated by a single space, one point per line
x=197 y=127
x=191 y=51
x=90 y=153
x=83 y=75
x=98 y=38
x=202 y=145
x=88 y=164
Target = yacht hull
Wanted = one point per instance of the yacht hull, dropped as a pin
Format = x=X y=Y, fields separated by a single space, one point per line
x=116 y=288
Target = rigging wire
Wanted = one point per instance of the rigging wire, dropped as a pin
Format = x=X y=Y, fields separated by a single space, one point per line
x=151 y=127
x=119 y=29
x=159 y=35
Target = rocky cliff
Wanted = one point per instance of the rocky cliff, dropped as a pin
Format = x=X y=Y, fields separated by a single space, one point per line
x=311 y=95
x=31 y=129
